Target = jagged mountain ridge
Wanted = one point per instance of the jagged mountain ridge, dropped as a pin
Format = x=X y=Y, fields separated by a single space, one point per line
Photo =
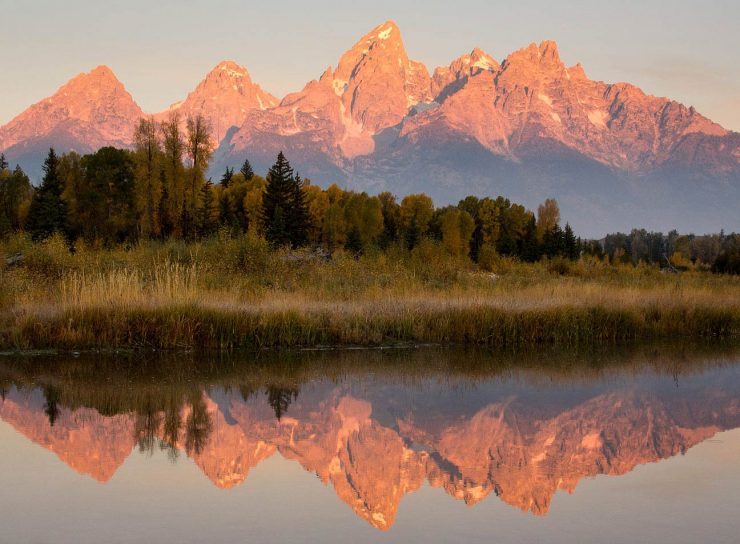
x=224 y=97
x=528 y=127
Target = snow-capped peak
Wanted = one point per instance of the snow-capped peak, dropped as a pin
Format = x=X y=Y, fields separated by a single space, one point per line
x=233 y=70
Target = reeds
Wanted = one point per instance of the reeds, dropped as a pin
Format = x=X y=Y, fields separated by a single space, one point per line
x=224 y=295
x=168 y=283
x=203 y=325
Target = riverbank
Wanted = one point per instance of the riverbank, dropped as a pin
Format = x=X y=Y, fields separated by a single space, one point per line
x=237 y=294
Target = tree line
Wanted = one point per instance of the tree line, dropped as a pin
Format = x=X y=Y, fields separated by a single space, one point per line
x=721 y=251
x=159 y=190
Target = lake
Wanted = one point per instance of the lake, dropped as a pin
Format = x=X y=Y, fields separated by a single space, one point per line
x=621 y=444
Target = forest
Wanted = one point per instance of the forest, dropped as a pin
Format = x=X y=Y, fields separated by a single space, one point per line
x=159 y=191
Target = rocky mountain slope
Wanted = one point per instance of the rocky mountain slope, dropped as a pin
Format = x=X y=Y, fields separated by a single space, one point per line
x=224 y=98
x=90 y=111
x=528 y=127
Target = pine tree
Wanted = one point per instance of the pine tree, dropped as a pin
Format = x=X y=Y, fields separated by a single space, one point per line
x=225 y=213
x=247 y=171
x=570 y=244
x=3 y=162
x=208 y=211
x=48 y=212
x=553 y=242
x=530 y=246
x=298 y=218
x=226 y=178
x=277 y=200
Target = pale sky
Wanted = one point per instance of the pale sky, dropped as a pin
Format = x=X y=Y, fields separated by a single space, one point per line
x=160 y=49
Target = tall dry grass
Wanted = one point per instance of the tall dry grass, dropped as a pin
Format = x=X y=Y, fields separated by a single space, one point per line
x=234 y=293
x=168 y=283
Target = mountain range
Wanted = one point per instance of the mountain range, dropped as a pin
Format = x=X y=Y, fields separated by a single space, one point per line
x=528 y=127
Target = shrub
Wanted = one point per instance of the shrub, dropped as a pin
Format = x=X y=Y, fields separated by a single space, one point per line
x=50 y=258
x=431 y=261
x=559 y=266
x=490 y=261
x=728 y=262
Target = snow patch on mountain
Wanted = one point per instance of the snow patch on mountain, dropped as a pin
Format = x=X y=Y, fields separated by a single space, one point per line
x=385 y=33
x=598 y=118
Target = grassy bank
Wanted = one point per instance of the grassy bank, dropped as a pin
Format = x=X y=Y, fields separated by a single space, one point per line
x=235 y=293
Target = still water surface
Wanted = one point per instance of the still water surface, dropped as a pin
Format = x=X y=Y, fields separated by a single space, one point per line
x=422 y=446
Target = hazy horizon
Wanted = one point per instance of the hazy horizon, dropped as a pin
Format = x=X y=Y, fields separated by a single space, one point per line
x=161 y=51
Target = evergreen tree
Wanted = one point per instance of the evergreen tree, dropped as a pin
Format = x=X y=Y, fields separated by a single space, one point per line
x=247 y=171
x=298 y=219
x=553 y=242
x=48 y=212
x=570 y=243
x=506 y=245
x=530 y=248
x=225 y=213
x=3 y=162
x=226 y=178
x=277 y=201
x=208 y=212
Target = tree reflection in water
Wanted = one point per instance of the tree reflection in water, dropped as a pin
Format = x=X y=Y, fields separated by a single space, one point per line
x=280 y=399
x=376 y=426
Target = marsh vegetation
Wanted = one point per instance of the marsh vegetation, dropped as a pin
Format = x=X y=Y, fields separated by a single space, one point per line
x=228 y=293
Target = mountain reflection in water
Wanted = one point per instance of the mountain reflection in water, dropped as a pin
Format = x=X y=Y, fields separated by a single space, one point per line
x=376 y=426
